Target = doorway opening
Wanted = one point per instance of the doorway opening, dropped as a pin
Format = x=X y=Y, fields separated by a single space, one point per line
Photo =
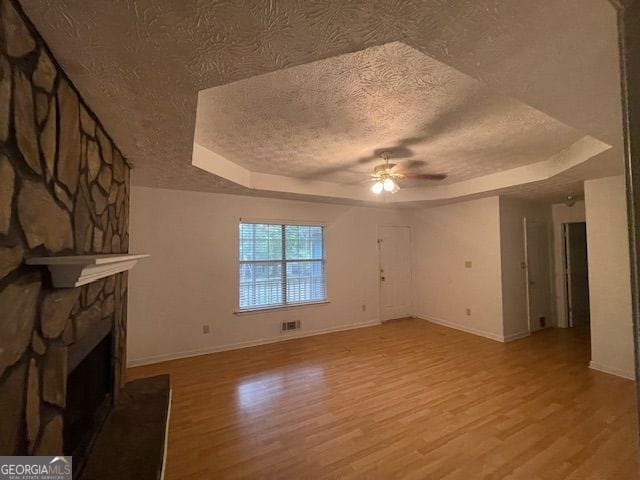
x=576 y=268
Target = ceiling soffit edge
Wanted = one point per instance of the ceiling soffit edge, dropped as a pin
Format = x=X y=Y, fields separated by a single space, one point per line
x=579 y=152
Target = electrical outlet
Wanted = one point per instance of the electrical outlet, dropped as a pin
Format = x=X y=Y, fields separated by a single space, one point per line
x=205 y=329
x=468 y=312
x=468 y=264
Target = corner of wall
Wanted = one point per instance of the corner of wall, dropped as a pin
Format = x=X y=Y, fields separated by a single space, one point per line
x=612 y=347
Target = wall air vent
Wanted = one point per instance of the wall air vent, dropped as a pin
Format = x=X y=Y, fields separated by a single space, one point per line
x=293 y=325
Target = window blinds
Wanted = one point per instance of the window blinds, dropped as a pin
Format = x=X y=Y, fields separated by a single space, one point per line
x=281 y=265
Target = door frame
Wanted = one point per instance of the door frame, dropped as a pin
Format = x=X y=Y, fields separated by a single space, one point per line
x=566 y=253
x=378 y=241
x=526 y=272
x=566 y=277
x=629 y=50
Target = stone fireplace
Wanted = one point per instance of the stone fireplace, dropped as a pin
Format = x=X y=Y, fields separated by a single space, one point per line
x=64 y=190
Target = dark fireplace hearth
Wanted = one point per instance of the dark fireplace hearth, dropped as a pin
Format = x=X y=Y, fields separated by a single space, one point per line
x=112 y=433
x=89 y=400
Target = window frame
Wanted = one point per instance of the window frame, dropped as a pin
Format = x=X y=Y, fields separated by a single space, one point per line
x=283 y=262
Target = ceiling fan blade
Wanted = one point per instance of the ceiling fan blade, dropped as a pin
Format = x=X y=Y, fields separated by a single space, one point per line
x=321 y=172
x=413 y=164
x=383 y=166
x=424 y=176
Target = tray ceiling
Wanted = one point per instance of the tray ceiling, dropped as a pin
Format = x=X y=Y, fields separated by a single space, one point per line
x=327 y=119
x=141 y=64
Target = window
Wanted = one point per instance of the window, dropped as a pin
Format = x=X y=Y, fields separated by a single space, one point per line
x=281 y=265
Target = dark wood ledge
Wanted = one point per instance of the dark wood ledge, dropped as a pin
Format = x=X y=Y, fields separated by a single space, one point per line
x=132 y=441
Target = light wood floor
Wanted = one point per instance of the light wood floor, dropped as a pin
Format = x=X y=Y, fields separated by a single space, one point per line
x=407 y=399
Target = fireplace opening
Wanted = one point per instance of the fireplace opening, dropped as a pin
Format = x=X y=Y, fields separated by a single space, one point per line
x=89 y=399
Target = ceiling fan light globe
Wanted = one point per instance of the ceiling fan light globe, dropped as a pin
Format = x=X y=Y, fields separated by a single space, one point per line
x=377 y=188
x=389 y=185
x=396 y=187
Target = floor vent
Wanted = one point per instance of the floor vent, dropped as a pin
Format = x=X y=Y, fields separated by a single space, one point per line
x=293 y=325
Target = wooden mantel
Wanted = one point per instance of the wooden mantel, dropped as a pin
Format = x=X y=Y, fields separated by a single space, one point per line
x=76 y=270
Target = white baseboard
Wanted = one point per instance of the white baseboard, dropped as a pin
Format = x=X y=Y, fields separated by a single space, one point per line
x=163 y=357
x=464 y=328
x=612 y=370
x=515 y=336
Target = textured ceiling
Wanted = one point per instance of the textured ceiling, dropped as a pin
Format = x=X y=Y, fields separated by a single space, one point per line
x=141 y=64
x=325 y=120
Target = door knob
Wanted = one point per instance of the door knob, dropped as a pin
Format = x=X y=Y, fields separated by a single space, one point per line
x=382 y=279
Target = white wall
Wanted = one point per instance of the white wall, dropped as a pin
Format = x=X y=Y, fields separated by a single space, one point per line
x=514 y=277
x=563 y=214
x=609 y=277
x=445 y=238
x=191 y=278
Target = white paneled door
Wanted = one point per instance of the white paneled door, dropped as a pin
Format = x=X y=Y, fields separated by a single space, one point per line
x=538 y=274
x=394 y=247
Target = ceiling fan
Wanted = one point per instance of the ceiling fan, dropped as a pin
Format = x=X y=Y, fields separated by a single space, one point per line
x=385 y=176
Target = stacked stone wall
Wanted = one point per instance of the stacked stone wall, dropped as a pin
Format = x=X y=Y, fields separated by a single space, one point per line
x=64 y=190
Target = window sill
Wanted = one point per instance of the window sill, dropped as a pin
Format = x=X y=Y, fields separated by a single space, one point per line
x=254 y=311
